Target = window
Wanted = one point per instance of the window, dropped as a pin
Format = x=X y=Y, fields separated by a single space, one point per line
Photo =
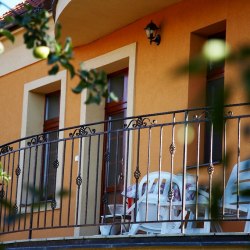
x=214 y=93
x=50 y=151
x=43 y=98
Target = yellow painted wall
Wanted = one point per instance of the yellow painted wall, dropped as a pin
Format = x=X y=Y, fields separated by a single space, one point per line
x=157 y=88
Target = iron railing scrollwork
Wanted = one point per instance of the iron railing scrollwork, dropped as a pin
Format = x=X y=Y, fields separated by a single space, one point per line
x=82 y=131
x=37 y=140
x=5 y=149
x=140 y=122
x=75 y=161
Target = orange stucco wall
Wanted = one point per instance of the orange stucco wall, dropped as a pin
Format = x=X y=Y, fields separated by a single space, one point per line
x=157 y=87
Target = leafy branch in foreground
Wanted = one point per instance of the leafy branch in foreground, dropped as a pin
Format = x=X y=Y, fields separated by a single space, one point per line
x=4 y=176
x=215 y=53
x=14 y=213
x=36 y=25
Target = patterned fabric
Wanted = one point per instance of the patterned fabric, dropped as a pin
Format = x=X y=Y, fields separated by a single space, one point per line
x=190 y=191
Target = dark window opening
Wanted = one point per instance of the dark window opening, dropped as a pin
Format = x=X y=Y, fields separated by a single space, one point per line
x=214 y=94
x=50 y=150
x=114 y=143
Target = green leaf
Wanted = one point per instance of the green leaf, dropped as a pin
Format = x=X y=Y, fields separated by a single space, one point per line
x=57 y=48
x=78 y=89
x=52 y=58
x=54 y=70
x=84 y=73
x=216 y=197
x=28 y=7
x=62 y=193
x=9 y=19
x=29 y=40
x=68 y=66
x=7 y=34
x=58 y=30
x=195 y=66
x=68 y=49
x=244 y=52
x=71 y=70
x=25 y=20
x=93 y=99
x=113 y=97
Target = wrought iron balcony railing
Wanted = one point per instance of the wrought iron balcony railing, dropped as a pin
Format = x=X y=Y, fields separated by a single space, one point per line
x=125 y=176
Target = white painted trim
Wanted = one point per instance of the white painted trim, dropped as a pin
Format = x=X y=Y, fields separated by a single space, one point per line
x=31 y=86
x=112 y=57
x=60 y=7
x=62 y=77
x=16 y=56
x=128 y=51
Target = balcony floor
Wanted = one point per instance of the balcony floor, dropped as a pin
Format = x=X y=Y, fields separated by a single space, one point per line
x=220 y=240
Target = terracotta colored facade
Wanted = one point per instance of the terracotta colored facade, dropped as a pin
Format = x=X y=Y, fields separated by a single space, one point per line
x=154 y=84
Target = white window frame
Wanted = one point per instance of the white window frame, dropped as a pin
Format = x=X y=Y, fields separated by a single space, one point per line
x=124 y=57
x=29 y=88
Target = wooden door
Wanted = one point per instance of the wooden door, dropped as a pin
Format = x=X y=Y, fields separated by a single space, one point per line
x=114 y=141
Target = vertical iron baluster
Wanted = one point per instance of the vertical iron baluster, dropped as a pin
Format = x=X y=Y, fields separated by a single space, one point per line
x=11 y=190
x=18 y=172
x=70 y=179
x=87 y=183
x=79 y=180
x=126 y=171
x=211 y=169
x=44 y=192
x=159 y=178
x=55 y=166
x=22 y=188
x=197 y=170
x=148 y=167
x=7 y=190
x=184 y=172
x=224 y=167
x=116 y=170
x=106 y=170
x=172 y=150
x=62 y=184
x=33 y=195
x=27 y=187
x=137 y=172
x=2 y=196
x=238 y=169
x=97 y=178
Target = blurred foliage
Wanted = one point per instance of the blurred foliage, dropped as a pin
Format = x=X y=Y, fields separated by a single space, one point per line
x=217 y=193
x=38 y=202
x=36 y=25
x=199 y=65
x=4 y=177
x=217 y=52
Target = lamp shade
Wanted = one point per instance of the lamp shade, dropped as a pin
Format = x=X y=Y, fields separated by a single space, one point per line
x=151 y=30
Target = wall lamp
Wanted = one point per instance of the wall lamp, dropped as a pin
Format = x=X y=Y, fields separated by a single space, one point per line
x=151 y=32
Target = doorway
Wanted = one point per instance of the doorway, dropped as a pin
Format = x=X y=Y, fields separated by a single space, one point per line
x=114 y=141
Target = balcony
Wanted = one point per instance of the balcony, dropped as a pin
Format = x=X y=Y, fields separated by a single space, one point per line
x=84 y=26
x=156 y=174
